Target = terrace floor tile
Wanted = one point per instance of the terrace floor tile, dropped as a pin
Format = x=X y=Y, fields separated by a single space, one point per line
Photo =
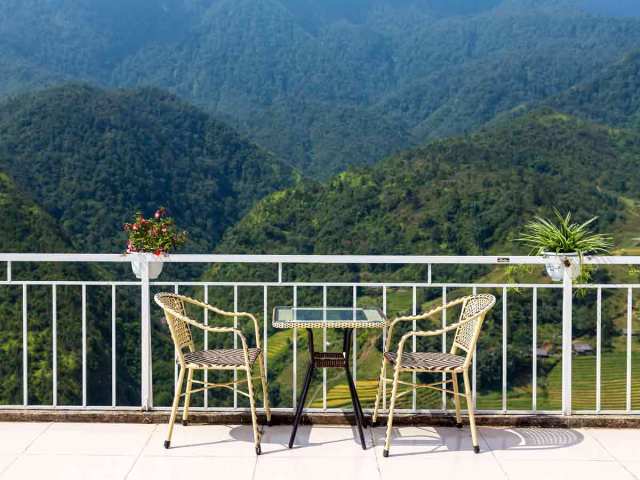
x=135 y=451
x=564 y=470
x=428 y=441
x=202 y=441
x=316 y=441
x=92 y=439
x=317 y=468
x=16 y=437
x=169 y=468
x=621 y=443
x=69 y=467
x=544 y=444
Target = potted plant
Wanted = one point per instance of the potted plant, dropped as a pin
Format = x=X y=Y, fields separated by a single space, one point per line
x=151 y=240
x=564 y=243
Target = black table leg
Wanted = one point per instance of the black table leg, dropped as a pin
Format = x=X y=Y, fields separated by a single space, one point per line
x=347 y=349
x=305 y=389
x=357 y=409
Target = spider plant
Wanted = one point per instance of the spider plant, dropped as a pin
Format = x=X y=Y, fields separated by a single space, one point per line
x=544 y=236
x=565 y=238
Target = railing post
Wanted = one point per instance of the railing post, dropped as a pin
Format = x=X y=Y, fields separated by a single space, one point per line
x=146 y=390
x=567 y=334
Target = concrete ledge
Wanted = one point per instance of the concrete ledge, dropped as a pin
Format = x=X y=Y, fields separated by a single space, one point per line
x=285 y=418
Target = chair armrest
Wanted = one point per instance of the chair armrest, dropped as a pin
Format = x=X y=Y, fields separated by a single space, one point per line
x=202 y=326
x=422 y=316
x=237 y=314
x=432 y=333
x=223 y=313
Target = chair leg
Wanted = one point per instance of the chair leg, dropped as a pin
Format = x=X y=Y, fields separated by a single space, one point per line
x=265 y=389
x=374 y=418
x=392 y=405
x=456 y=399
x=472 y=419
x=174 y=408
x=187 y=398
x=254 y=417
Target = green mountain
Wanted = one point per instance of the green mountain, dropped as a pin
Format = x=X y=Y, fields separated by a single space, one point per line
x=28 y=228
x=322 y=84
x=92 y=157
x=464 y=195
x=25 y=226
x=613 y=98
x=75 y=163
x=424 y=75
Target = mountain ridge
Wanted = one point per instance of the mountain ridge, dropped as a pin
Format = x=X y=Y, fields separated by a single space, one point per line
x=93 y=157
x=372 y=68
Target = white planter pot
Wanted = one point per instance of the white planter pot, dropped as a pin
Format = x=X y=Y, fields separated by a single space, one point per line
x=139 y=259
x=555 y=266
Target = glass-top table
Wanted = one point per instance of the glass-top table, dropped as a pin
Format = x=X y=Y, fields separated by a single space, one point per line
x=347 y=319
x=312 y=317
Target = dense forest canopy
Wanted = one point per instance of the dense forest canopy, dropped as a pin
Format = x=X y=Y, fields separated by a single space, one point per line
x=322 y=84
x=92 y=158
x=466 y=195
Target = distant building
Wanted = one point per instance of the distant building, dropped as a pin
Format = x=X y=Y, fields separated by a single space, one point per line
x=582 y=348
x=541 y=352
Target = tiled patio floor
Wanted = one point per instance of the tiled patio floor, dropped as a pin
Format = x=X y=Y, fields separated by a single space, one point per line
x=116 y=451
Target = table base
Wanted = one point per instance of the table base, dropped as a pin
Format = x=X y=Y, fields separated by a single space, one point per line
x=330 y=360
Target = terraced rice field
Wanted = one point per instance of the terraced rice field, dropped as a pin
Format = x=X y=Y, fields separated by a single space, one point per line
x=338 y=396
x=278 y=345
x=614 y=375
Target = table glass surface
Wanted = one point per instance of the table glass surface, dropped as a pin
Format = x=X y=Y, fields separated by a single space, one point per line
x=330 y=317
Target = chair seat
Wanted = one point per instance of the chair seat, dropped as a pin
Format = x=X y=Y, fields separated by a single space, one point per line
x=428 y=361
x=226 y=357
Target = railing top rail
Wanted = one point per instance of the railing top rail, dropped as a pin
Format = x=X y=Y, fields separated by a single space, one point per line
x=315 y=259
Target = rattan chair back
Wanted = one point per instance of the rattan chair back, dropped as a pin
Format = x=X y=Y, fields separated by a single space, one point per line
x=175 y=312
x=472 y=314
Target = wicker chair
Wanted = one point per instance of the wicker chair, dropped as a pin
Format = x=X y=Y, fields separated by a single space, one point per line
x=223 y=359
x=473 y=311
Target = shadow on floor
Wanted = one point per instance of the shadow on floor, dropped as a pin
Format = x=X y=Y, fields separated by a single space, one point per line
x=421 y=440
x=439 y=439
x=531 y=438
x=279 y=436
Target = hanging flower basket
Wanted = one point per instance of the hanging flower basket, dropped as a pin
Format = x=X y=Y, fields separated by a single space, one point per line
x=138 y=259
x=150 y=241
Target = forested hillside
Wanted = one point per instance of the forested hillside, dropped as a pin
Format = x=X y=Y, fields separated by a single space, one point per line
x=323 y=84
x=92 y=157
x=26 y=227
x=466 y=195
x=613 y=98
x=463 y=195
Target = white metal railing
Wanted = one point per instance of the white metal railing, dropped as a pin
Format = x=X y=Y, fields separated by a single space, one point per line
x=145 y=285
